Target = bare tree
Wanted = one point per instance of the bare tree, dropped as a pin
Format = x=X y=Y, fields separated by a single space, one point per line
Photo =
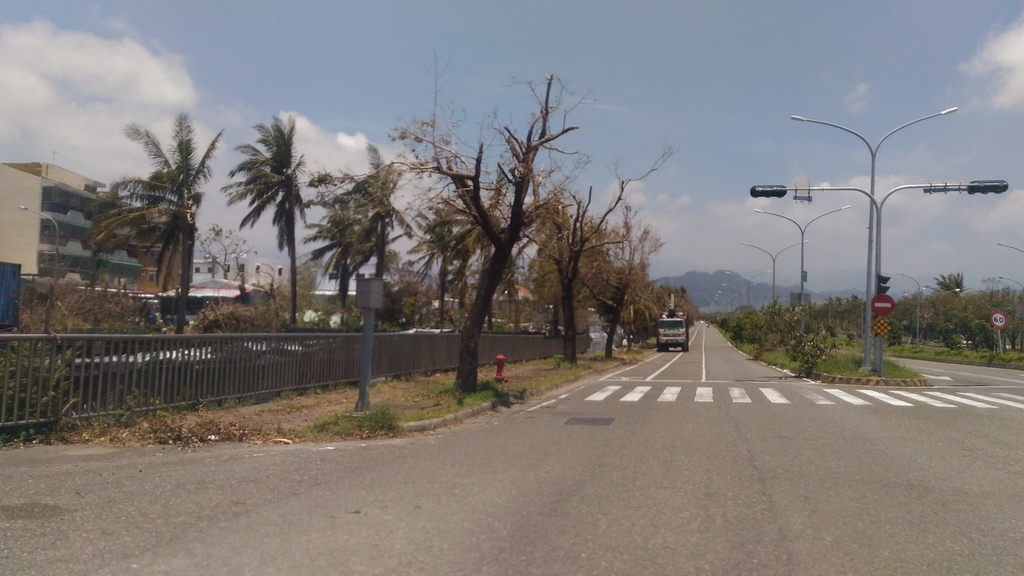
x=225 y=246
x=575 y=231
x=621 y=278
x=503 y=202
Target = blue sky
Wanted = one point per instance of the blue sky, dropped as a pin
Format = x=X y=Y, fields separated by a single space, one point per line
x=716 y=80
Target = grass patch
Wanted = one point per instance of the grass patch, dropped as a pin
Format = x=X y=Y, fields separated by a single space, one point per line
x=842 y=364
x=381 y=420
x=1008 y=359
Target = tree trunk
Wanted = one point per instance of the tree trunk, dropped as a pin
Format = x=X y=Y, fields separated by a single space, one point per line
x=294 y=269
x=184 y=281
x=442 y=288
x=469 y=352
x=569 y=319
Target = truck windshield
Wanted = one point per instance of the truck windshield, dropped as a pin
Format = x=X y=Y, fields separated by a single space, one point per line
x=672 y=324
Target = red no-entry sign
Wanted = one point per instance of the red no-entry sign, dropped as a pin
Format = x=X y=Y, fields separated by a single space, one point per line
x=883 y=305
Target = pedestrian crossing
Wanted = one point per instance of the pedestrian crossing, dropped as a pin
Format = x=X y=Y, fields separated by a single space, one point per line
x=828 y=396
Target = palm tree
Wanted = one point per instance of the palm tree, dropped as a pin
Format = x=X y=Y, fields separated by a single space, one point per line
x=950 y=282
x=339 y=233
x=160 y=210
x=374 y=194
x=271 y=175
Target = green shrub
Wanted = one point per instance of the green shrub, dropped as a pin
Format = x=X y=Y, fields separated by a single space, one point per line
x=380 y=420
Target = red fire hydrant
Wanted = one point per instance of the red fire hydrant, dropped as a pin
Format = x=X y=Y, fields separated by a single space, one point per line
x=500 y=361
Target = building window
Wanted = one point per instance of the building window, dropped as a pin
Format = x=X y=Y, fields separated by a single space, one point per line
x=209 y=269
x=198 y=269
x=151 y=275
x=241 y=268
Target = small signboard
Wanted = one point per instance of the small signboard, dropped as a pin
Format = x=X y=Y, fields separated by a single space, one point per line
x=997 y=320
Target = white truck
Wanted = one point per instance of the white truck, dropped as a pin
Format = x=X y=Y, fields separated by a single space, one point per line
x=673 y=331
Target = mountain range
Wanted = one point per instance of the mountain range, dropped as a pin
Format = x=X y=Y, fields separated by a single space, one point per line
x=725 y=290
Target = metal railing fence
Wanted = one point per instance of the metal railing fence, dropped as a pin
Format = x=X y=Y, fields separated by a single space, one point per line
x=45 y=378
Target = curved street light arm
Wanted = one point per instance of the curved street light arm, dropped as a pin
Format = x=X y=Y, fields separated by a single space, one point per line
x=759 y=248
x=1012 y=280
x=1010 y=247
x=921 y=119
x=839 y=126
x=790 y=246
x=826 y=214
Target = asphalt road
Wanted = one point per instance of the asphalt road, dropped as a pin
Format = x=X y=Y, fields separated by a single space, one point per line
x=721 y=466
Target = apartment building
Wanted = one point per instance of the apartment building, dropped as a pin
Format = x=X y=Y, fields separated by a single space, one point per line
x=49 y=236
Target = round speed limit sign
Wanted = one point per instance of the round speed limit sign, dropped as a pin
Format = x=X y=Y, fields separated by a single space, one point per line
x=997 y=320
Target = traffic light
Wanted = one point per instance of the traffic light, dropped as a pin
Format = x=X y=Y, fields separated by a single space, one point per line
x=880 y=286
x=773 y=191
x=987 y=186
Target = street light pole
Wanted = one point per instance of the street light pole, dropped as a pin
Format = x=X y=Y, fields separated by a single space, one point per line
x=56 y=265
x=918 y=298
x=803 y=230
x=750 y=280
x=773 y=257
x=873 y=150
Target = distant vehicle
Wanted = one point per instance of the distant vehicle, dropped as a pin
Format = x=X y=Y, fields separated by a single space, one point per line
x=672 y=333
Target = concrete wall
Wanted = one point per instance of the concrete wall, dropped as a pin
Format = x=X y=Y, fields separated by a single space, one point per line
x=19 y=229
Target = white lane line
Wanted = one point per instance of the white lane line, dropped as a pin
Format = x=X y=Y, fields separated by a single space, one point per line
x=703 y=358
x=636 y=394
x=1004 y=394
x=703 y=394
x=739 y=395
x=563 y=396
x=669 y=394
x=996 y=400
x=846 y=397
x=930 y=377
x=816 y=398
x=945 y=396
x=542 y=404
x=925 y=399
x=604 y=393
x=885 y=398
x=662 y=369
x=774 y=396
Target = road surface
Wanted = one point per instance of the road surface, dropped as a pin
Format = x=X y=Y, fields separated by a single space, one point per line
x=689 y=463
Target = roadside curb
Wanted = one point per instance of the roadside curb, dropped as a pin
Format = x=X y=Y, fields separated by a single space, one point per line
x=503 y=402
x=868 y=380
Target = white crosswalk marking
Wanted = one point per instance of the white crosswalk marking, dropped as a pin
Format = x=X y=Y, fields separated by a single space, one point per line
x=925 y=399
x=636 y=394
x=604 y=393
x=945 y=396
x=739 y=395
x=774 y=396
x=669 y=394
x=885 y=398
x=1005 y=395
x=996 y=400
x=816 y=398
x=703 y=394
x=846 y=397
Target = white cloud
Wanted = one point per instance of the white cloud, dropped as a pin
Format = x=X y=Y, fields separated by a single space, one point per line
x=73 y=93
x=1002 y=59
x=857 y=100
